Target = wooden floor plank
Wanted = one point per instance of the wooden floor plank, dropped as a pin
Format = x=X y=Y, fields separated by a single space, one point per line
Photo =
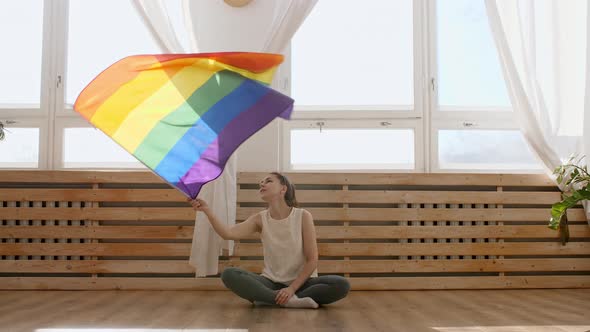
x=357 y=283
x=416 y=311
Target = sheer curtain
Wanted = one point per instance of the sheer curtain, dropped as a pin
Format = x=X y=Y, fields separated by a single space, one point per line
x=214 y=26
x=542 y=46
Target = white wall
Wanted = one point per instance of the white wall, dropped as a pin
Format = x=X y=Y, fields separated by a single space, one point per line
x=261 y=152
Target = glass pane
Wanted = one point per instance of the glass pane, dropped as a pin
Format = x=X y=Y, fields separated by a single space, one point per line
x=355 y=53
x=356 y=149
x=90 y=148
x=468 y=67
x=485 y=149
x=20 y=148
x=93 y=45
x=21 y=34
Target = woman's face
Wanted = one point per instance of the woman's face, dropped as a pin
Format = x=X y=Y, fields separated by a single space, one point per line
x=271 y=188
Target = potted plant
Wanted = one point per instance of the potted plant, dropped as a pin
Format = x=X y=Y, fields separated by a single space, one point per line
x=576 y=188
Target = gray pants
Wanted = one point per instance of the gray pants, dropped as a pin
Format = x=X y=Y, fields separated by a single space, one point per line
x=254 y=287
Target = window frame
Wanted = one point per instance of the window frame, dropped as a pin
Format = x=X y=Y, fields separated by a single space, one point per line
x=347 y=116
x=30 y=122
x=78 y=122
x=285 y=142
x=473 y=125
x=427 y=111
x=53 y=115
x=41 y=115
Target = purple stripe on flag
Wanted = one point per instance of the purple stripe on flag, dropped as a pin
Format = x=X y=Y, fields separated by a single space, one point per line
x=247 y=123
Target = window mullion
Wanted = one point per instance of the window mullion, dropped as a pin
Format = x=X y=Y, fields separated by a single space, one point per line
x=56 y=58
x=47 y=83
x=421 y=74
x=430 y=85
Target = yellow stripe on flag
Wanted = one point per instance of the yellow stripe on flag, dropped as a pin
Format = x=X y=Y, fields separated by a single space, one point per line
x=169 y=98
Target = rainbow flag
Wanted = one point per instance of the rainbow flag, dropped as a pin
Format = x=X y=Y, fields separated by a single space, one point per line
x=183 y=115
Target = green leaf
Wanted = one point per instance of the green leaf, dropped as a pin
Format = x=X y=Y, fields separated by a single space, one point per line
x=559 y=209
x=570 y=175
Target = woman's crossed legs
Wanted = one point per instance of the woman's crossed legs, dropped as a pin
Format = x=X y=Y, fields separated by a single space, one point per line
x=256 y=288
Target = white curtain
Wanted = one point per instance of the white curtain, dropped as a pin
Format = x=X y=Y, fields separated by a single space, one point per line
x=542 y=46
x=155 y=17
x=214 y=26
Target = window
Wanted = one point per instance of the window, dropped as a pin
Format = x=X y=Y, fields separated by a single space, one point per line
x=341 y=145
x=400 y=86
x=355 y=61
x=91 y=49
x=21 y=23
x=350 y=60
x=352 y=149
x=350 y=53
x=20 y=149
x=22 y=70
x=90 y=148
x=484 y=150
x=472 y=127
x=469 y=73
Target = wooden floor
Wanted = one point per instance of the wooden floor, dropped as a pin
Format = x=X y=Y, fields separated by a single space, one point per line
x=446 y=311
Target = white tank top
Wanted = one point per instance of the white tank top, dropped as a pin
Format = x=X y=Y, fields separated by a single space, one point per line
x=282 y=243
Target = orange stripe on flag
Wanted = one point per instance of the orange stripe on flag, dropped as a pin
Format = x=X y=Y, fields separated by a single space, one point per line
x=111 y=79
x=242 y=60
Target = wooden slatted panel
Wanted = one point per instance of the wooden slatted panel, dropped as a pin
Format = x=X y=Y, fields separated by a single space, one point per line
x=353 y=214
x=22 y=223
x=422 y=214
x=442 y=227
x=81 y=177
x=76 y=223
x=128 y=230
x=327 y=266
x=454 y=223
x=63 y=222
x=346 y=224
x=36 y=223
x=466 y=223
x=492 y=223
x=428 y=224
x=467 y=249
x=408 y=179
x=499 y=222
x=479 y=239
x=403 y=223
x=392 y=197
x=415 y=223
x=92 y=223
x=96 y=194
x=325 y=249
x=49 y=222
x=303 y=196
x=323 y=232
x=143 y=177
x=357 y=283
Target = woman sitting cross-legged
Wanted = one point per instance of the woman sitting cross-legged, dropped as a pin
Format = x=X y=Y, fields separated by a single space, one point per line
x=289 y=277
